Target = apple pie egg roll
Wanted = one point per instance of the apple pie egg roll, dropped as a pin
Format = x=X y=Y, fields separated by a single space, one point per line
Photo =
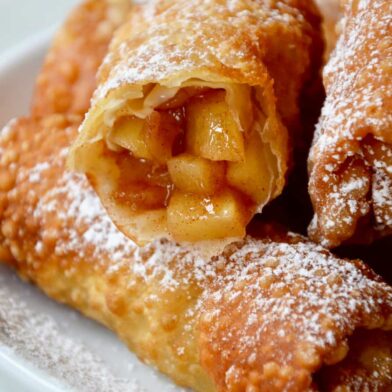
x=187 y=135
x=351 y=159
x=267 y=314
x=68 y=77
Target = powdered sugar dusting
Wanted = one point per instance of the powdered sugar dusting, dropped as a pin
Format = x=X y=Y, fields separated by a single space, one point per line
x=382 y=187
x=94 y=236
x=153 y=55
x=358 y=104
x=286 y=306
x=35 y=173
x=336 y=289
x=61 y=219
x=99 y=234
x=357 y=78
x=5 y=131
x=37 y=338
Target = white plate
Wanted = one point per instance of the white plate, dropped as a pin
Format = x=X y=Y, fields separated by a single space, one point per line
x=45 y=346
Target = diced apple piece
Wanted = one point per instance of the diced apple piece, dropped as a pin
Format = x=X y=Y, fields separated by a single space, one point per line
x=141 y=197
x=133 y=170
x=161 y=130
x=152 y=138
x=196 y=175
x=129 y=133
x=253 y=175
x=212 y=132
x=194 y=217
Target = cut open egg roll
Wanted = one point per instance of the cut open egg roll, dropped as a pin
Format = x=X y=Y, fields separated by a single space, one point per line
x=351 y=159
x=188 y=133
x=267 y=314
x=68 y=76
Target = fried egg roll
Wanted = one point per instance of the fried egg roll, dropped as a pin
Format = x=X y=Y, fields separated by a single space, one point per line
x=268 y=314
x=351 y=159
x=188 y=133
x=68 y=77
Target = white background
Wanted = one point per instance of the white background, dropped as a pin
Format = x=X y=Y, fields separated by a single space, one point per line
x=20 y=19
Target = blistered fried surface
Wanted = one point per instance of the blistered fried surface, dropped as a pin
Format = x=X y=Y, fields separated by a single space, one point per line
x=272 y=46
x=356 y=115
x=263 y=315
x=68 y=78
x=281 y=311
x=170 y=41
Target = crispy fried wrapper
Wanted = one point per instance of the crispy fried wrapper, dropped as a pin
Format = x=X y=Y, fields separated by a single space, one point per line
x=188 y=134
x=68 y=77
x=274 y=314
x=350 y=162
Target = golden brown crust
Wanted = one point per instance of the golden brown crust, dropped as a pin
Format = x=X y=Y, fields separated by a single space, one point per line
x=68 y=77
x=271 y=46
x=264 y=315
x=356 y=116
x=163 y=299
x=262 y=40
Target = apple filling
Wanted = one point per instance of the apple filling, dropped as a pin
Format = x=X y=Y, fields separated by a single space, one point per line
x=196 y=158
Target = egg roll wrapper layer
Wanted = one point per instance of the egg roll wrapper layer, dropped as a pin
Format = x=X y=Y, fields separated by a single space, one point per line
x=264 y=315
x=68 y=77
x=202 y=91
x=351 y=159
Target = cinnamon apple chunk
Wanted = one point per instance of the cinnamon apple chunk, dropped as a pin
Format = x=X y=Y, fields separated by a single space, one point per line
x=252 y=176
x=192 y=217
x=161 y=129
x=128 y=132
x=196 y=175
x=142 y=197
x=151 y=138
x=211 y=130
